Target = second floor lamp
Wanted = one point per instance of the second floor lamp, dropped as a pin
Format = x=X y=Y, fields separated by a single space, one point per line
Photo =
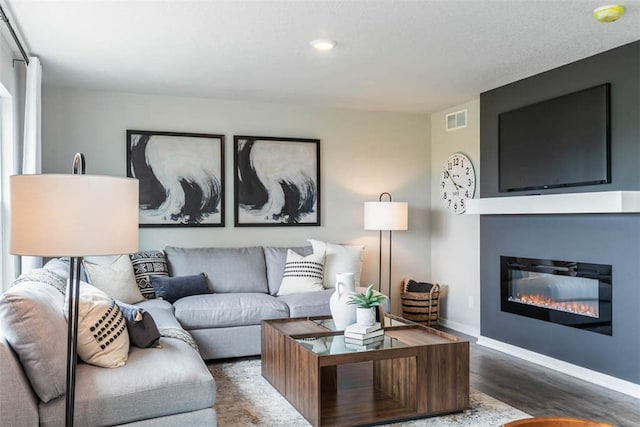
x=385 y=216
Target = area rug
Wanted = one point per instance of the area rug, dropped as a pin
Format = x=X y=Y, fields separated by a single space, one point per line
x=245 y=398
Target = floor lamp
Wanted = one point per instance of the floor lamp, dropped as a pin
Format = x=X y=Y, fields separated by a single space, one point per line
x=385 y=216
x=73 y=215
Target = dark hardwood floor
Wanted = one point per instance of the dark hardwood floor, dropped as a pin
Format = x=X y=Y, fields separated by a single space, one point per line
x=544 y=392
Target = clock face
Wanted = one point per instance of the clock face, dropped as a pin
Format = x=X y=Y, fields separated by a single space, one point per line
x=457 y=182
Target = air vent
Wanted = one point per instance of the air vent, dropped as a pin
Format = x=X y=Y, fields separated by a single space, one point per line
x=457 y=120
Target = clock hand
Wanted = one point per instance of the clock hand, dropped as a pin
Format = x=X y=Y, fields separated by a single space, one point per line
x=459 y=187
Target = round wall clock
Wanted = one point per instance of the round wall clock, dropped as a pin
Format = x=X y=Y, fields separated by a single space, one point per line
x=457 y=182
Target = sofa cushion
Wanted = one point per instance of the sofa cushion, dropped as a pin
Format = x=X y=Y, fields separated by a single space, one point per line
x=114 y=276
x=228 y=269
x=145 y=265
x=103 y=339
x=32 y=321
x=224 y=310
x=18 y=402
x=339 y=259
x=162 y=313
x=275 y=259
x=174 y=288
x=153 y=383
x=309 y=304
x=302 y=274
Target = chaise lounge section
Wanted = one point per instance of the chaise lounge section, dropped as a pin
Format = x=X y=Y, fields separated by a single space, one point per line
x=157 y=386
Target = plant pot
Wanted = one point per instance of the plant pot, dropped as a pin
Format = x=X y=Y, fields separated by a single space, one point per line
x=366 y=316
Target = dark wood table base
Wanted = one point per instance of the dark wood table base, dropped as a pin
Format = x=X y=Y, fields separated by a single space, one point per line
x=427 y=376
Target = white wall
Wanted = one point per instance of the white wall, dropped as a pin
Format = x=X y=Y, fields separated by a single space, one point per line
x=455 y=239
x=362 y=154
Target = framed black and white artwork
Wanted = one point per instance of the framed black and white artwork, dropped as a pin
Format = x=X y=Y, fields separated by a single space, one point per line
x=181 y=178
x=277 y=181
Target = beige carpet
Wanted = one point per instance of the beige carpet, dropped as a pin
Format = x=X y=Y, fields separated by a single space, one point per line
x=246 y=399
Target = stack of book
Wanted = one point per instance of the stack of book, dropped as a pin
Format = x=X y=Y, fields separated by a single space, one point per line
x=360 y=337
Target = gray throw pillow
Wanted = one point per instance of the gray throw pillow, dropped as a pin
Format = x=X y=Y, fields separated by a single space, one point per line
x=143 y=331
x=173 y=288
x=32 y=321
x=114 y=276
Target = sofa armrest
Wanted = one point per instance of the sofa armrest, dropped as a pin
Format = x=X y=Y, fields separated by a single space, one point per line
x=18 y=402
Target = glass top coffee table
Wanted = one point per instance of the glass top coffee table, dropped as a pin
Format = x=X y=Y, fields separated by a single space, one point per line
x=415 y=372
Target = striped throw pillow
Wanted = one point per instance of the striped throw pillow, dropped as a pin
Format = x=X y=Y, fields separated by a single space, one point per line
x=302 y=273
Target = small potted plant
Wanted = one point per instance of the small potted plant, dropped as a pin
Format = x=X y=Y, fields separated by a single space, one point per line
x=366 y=303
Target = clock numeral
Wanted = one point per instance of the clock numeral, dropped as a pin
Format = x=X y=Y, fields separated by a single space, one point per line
x=467 y=171
x=466 y=193
x=442 y=184
x=455 y=206
x=449 y=166
x=469 y=181
x=462 y=203
x=456 y=162
x=449 y=202
x=444 y=196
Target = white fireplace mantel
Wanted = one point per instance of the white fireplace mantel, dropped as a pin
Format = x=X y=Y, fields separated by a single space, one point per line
x=568 y=203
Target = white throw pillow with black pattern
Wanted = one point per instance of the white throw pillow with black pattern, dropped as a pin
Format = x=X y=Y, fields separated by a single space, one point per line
x=103 y=339
x=146 y=264
x=302 y=273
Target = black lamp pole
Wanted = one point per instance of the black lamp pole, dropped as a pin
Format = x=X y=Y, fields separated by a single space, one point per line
x=380 y=255
x=72 y=321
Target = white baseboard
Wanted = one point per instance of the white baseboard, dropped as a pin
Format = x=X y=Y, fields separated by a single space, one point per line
x=460 y=327
x=585 y=374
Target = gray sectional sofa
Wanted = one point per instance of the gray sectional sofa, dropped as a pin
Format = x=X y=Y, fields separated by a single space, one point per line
x=245 y=283
x=170 y=386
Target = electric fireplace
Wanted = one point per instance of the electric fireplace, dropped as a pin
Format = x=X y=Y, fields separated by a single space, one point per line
x=569 y=293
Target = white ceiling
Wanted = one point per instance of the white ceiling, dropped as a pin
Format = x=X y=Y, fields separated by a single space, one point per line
x=420 y=55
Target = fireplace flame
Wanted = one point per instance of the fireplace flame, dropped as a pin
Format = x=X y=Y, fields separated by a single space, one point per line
x=575 y=307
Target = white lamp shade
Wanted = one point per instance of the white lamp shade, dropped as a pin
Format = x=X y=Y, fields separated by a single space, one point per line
x=386 y=215
x=73 y=215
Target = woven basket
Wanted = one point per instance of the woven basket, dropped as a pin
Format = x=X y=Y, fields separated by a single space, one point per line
x=421 y=307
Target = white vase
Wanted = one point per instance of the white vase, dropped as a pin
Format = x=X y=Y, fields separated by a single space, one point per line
x=343 y=314
x=366 y=316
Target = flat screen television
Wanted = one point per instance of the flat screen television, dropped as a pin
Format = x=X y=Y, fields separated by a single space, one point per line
x=560 y=142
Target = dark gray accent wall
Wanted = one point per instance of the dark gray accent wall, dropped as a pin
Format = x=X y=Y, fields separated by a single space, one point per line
x=604 y=238
x=620 y=67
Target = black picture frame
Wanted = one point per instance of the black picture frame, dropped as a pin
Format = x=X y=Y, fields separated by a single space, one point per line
x=276 y=181
x=181 y=178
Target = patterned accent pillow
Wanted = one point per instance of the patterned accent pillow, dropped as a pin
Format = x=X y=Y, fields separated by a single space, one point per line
x=103 y=339
x=302 y=273
x=146 y=264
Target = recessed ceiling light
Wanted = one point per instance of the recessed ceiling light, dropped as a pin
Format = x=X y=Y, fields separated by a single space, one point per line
x=323 y=44
x=608 y=13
